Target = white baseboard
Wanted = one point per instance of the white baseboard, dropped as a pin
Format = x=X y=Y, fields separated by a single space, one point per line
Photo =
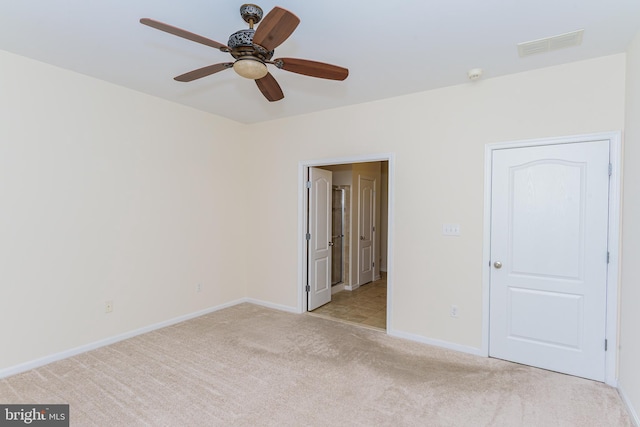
x=26 y=366
x=436 y=343
x=630 y=408
x=267 y=304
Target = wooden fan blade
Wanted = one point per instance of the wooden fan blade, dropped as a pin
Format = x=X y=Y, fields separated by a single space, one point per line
x=275 y=28
x=183 y=33
x=270 y=88
x=203 y=72
x=312 y=68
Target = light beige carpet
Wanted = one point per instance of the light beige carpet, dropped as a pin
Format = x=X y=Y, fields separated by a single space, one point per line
x=252 y=366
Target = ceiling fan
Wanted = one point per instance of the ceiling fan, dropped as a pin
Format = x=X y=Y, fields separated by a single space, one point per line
x=253 y=50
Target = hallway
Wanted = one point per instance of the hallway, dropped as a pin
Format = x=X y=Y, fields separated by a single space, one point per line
x=366 y=306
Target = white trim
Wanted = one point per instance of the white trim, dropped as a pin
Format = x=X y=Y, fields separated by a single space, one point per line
x=436 y=343
x=632 y=412
x=613 y=279
x=267 y=304
x=302 y=212
x=615 y=142
x=26 y=366
x=486 y=248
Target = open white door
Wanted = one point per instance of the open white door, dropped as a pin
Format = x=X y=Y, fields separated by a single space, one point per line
x=365 y=244
x=549 y=233
x=319 y=238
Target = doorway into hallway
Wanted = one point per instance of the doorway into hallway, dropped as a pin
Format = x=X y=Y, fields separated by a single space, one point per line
x=360 y=206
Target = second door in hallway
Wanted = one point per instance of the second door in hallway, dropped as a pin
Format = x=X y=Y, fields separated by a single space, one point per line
x=366 y=230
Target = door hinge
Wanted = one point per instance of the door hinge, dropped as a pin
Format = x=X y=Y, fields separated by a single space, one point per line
x=307 y=288
x=610 y=169
x=373 y=228
x=308 y=236
x=308 y=184
x=605 y=345
x=373 y=264
x=608 y=257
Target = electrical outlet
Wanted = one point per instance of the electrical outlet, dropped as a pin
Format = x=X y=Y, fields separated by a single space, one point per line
x=108 y=306
x=454 y=311
x=199 y=287
x=451 y=229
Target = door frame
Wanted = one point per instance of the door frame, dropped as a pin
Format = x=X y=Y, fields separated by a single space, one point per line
x=613 y=284
x=302 y=221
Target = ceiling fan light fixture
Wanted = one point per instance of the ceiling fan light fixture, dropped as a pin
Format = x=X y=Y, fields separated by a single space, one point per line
x=250 y=68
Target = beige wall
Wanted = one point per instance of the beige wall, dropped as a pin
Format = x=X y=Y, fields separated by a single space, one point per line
x=438 y=138
x=629 y=369
x=108 y=194
x=341 y=174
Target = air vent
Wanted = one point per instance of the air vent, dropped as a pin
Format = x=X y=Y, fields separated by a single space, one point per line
x=548 y=44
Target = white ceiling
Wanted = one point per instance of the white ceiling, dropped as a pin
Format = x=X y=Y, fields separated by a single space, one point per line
x=391 y=48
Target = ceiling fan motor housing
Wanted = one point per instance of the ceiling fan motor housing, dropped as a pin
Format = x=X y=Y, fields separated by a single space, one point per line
x=241 y=44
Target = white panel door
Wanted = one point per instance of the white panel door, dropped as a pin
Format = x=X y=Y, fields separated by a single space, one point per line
x=366 y=224
x=319 y=268
x=549 y=216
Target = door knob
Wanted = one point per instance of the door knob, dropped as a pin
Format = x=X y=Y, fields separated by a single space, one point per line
x=361 y=237
x=497 y=264
x=330 y=243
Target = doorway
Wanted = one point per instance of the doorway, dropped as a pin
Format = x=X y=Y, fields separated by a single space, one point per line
x=551 y=238
x=345 y=235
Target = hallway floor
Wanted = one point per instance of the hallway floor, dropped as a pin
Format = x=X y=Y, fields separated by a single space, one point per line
x=365 y=306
